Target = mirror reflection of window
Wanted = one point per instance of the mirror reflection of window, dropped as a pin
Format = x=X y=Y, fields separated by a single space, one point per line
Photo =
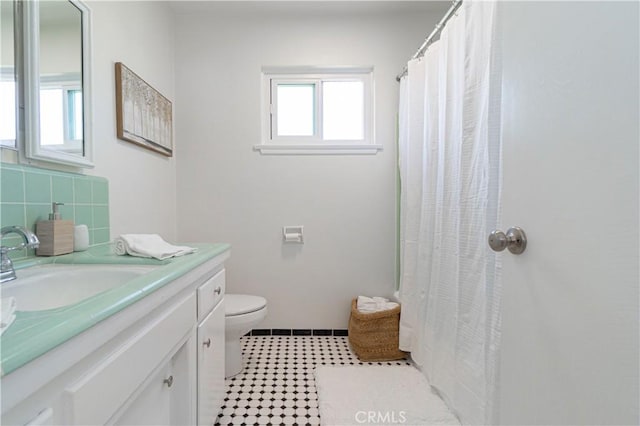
x=61 y=114
x=51 y=122
x=61 y=126
x=7 y=77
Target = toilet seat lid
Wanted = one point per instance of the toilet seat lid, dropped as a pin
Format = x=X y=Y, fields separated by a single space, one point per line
x=238 y=304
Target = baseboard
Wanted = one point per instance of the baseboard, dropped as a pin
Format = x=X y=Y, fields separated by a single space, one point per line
x=298 y=332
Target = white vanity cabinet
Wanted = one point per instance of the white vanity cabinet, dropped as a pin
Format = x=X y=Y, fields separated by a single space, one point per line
x=211 y=349
x=159 y=361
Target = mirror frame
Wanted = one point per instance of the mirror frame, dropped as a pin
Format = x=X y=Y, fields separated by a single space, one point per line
x=29 y=107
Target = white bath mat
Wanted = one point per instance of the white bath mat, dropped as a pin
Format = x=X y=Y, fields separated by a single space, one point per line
x=378 y=395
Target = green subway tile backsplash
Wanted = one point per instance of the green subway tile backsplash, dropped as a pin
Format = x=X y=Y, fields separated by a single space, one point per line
x=100 y=192
x=67 y=212
x=37 y=212
x=62 y=189
x=12 y=214
x=37 y=187
x=84 y=215
x=101 y=216
x=100 y=236
x=12 y=185
x=27 y=193
x=82 y=191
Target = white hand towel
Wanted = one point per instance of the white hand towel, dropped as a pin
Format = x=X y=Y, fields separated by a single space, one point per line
x=7 y=310
x=148 y=245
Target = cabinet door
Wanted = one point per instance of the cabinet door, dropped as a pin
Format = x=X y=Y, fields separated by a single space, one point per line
x=165 y=398
x=152 y=406
x=211 y=365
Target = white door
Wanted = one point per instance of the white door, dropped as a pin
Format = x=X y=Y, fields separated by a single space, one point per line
x=569 y=350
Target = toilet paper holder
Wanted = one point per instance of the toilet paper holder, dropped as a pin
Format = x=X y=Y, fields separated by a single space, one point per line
x=293 y=234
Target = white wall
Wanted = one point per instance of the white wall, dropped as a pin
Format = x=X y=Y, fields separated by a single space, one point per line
x=227 y=192
x=142 y=184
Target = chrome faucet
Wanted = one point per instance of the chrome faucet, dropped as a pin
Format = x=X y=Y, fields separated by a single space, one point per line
x=7 y=273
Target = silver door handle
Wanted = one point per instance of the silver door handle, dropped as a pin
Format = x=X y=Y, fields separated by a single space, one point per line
x=218 y=290
x=168 y=381
x=207 y=343
x=515 y=240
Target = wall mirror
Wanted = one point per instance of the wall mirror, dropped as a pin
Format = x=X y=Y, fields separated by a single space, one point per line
x=56 y=102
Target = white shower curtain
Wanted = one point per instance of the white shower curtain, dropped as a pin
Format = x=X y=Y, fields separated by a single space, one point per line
x=449 y=155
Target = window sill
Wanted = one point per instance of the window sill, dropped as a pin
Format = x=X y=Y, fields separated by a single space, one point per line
x=354 y=149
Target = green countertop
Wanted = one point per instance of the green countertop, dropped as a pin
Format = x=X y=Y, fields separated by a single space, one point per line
x=36 y=332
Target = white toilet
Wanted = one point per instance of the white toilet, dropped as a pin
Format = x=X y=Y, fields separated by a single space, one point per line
x=242 y=313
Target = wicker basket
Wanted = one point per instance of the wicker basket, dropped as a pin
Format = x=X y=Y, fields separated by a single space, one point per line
x=374 y=336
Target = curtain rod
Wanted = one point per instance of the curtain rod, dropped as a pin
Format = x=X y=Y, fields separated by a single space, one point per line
x=431 y=38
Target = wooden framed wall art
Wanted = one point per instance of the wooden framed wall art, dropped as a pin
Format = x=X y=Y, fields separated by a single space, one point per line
x=143 y=116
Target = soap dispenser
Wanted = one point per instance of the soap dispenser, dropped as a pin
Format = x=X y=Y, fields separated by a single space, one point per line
x=55 y=214
x=55 y=234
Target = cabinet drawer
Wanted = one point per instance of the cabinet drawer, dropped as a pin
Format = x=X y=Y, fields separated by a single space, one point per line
x=102 y=391
x=209 y=294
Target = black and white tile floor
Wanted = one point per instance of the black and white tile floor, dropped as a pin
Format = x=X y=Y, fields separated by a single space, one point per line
x=277 y=385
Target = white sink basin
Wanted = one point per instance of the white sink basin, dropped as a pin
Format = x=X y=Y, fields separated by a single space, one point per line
x=53 y=286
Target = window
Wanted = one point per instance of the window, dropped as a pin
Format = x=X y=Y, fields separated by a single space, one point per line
x=317 y=111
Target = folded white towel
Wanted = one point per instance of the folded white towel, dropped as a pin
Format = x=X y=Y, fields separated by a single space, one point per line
x=148 y=245
x=374 y=304
x=7 y=311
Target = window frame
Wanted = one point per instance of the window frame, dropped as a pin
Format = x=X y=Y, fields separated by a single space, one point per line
x=273 y=144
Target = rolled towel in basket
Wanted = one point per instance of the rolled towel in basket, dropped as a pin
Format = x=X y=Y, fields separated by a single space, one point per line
x=148 y=245
x=374 y=304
